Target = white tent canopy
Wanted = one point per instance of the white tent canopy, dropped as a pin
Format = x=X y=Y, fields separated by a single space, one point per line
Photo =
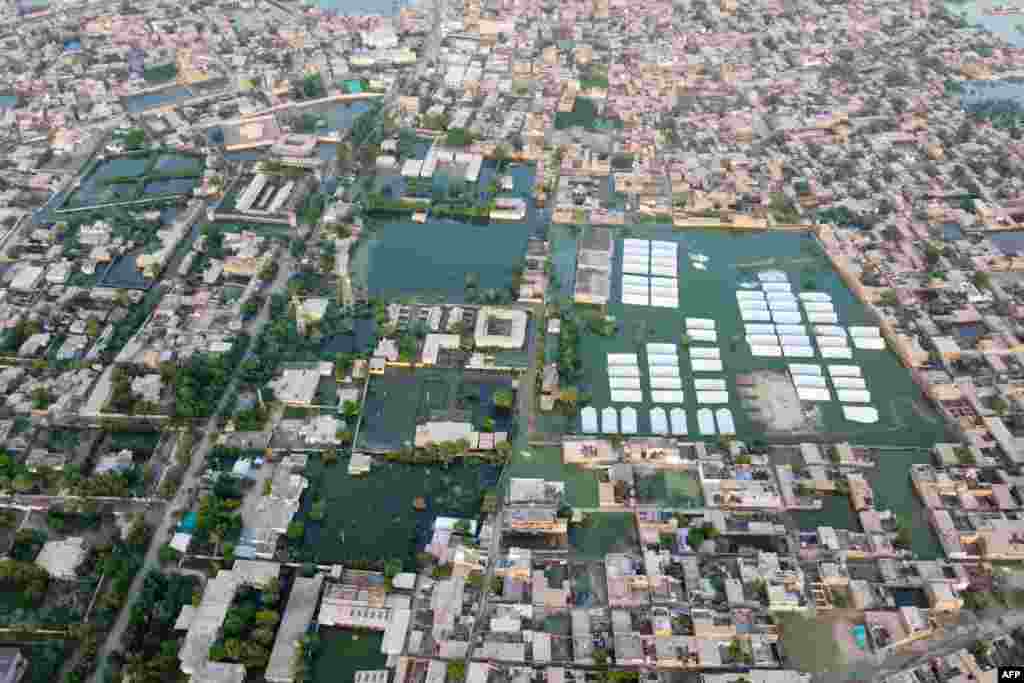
x=659 y=421
x=726 y=425
x=706 y=421
x=678 y=417
x=629 y=420
x=609 y=421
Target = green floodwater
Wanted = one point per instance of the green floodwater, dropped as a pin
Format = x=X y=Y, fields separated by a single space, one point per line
x=676 y=489
x=343 y=653
x=604 y=533
x=907 y=425
x=904 y=417
x=546 y=463
x=371 y=517
x=430 y=261
x=400 y=399
x=93 y=189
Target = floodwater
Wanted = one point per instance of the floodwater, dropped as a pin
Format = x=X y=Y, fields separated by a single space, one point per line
x=8 y=101
x=170 y=186
x=371 y=517
x=337 y=116
x=246 y=155
x=362 y=337
x=123 y=272
x=907 y=425
x=168 y=163
x=342 y=653
x=736 y=257
x=1008 y=242
x=431 y=261
x=546 y=463
x=982 y=91
x=93 y=190
x=356 y=7
x=399 y=400
x=159 y=98
x=1006 y=27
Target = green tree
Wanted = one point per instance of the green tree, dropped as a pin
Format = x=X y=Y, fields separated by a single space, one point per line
x=503 y=399
x=267 y=617
x=296 y=530
x=456 y=671
x=350 y=409
x=1000 y=406
x=458 y=137
x=392 y=568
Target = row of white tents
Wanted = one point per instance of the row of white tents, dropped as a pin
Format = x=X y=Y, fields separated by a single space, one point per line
x=662 y=422
x=650 y=273
x=847 y=381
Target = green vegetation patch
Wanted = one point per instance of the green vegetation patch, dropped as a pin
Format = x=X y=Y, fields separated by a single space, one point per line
x=600 y=533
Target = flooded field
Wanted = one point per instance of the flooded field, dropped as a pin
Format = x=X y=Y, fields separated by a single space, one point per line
x=372 y=517
x=601 y=533
x=136 y=176
x=546 y=463
x=668 y=488
x=343 y=653
x=433 y=261
x=733 y=259
x=157 y=98
x=400 y=399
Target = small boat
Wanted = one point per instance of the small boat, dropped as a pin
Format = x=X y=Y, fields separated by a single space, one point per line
x=700 y=266
x=749 y=285
x=696 y=256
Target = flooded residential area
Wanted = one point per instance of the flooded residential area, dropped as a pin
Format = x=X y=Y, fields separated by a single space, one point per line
x=460 y=342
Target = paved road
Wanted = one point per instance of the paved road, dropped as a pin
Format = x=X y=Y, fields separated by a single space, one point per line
x=195 y=469
x=528 y=382
x=527 y=408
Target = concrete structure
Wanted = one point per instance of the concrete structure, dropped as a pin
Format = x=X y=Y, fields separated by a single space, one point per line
x=60 y=559
x=298 y=614
x=500 y=328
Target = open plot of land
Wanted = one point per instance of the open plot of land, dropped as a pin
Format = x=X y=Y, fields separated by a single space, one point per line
x=604 y=532
x=372 y=517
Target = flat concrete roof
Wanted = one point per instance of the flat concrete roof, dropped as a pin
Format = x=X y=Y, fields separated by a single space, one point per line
x=298 y=614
